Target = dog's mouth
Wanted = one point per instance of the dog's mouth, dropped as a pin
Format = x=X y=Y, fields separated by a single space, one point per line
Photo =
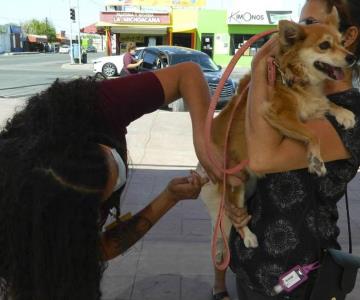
x=335 y=73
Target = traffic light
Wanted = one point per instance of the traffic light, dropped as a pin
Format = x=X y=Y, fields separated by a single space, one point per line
x=72 y=14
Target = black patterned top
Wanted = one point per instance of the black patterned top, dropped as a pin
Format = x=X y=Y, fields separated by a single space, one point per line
x=295 y=212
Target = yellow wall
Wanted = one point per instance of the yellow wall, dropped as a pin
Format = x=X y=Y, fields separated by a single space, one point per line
x=184 y=20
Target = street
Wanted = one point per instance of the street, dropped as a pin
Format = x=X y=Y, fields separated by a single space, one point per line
x=25 y=75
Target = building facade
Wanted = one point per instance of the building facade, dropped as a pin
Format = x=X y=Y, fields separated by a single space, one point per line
x=219 y=33
x=11 y=38
x=144 y=26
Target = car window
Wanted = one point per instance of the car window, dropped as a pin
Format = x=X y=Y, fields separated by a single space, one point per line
x=150 y=60
x=137 y=53
x=205 y=62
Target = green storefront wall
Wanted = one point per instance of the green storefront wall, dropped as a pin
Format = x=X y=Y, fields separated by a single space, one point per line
x=215 y=21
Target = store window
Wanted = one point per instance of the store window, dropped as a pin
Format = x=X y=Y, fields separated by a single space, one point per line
x=238 y=40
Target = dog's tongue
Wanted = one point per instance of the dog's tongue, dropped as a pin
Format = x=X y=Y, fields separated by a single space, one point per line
x=337 y=73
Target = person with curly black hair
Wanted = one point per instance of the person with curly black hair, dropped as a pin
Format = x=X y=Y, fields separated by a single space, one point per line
x=63 y=166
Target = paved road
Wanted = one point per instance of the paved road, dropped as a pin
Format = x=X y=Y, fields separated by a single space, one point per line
x=23 y=75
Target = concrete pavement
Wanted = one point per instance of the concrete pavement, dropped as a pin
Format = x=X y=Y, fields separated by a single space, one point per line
x=173 y=261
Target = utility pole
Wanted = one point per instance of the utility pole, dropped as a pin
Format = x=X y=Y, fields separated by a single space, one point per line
x=79 y=40
x=72 y=18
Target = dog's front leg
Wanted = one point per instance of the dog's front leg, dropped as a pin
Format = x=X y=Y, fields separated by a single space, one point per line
x=290 y=125
x=342 y=115
x=237 y=197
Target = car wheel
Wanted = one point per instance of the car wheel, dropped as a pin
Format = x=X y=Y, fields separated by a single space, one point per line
x=109 y=69
x=178 y=105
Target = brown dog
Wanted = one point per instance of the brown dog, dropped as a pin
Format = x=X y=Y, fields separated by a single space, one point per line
x=307 y=56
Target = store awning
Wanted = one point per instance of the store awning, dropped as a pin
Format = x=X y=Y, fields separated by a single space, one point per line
x=183 y=28
x=135 y=29
x=34 y=38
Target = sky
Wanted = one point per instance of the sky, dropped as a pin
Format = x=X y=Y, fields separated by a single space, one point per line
x=57 y=11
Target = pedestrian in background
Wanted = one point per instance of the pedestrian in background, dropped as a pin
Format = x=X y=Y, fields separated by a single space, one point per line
x=131 y=63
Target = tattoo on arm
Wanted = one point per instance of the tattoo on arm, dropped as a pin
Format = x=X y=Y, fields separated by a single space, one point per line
x=126 y=234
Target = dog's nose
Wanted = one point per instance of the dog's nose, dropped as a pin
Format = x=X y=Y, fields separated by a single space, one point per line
x=350 y=59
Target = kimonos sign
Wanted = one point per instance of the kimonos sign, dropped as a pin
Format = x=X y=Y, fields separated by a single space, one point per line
x=257 y=17
x=135 y=18
x=262 y=12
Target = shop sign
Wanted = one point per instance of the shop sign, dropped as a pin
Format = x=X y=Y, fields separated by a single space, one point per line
x=177 y=3
x=257 y=17
x=136 y=18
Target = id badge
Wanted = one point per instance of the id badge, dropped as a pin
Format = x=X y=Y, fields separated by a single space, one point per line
x=291 y=280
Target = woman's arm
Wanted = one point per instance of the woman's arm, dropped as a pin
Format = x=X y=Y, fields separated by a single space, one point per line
x=134 y=65
x=122 y=236
x=268 y=150
x=186 y=80
x=129 y=61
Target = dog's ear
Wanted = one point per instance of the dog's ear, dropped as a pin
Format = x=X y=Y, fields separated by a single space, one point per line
x=332 y=18
x=290 y=32
x=329 y=5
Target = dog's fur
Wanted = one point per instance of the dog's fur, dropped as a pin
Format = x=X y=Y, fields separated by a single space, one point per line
x=297 y=97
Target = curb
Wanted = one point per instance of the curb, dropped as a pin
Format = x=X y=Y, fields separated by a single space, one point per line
x=19 y=53
x=69 y=66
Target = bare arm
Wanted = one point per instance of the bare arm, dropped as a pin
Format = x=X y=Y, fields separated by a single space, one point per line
x=268 y=150
x=121 y=237
x=134 y=65
x=187 y=81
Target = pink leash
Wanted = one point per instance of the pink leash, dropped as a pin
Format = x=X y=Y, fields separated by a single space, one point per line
x=224 y=170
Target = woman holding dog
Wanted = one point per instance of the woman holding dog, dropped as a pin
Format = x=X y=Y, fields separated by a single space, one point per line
x=294 y=213
x=63 y=166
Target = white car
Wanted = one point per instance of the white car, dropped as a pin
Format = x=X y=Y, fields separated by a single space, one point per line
x=111 y=65
x=64 y=49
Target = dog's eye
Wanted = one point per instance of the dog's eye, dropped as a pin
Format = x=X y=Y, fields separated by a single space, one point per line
x=309 y=21
x=324 y=45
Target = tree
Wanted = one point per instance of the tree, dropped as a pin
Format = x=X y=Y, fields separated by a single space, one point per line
x=41 y=28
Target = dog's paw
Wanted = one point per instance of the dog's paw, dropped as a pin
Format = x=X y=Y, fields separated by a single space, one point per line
x=346 y=118
x=316 y=165
x=250 y=240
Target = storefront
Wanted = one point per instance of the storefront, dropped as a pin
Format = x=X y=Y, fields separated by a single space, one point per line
x=183 y=30
x=146 y=29
x=37 y=43
x=5 y=45
x=11 y=38
x=221 y=32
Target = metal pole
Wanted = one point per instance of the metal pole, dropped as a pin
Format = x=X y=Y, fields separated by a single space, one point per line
x=79 y=40
x=71 y=50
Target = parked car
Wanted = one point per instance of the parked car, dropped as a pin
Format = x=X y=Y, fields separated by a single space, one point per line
x=64 y=49
x=91 y=49
x=158 y=57
x=111 y=65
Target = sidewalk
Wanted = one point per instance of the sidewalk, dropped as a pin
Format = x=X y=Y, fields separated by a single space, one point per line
x=172 y=262
x=88 y=66
x=19 y=53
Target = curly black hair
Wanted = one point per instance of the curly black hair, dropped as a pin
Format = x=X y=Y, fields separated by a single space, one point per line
x=52 y=175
